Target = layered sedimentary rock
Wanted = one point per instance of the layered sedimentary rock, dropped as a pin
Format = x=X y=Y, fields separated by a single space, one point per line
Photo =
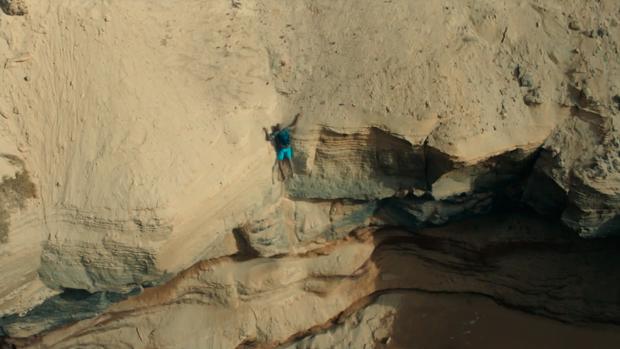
x=140 y=206
x=515 y=259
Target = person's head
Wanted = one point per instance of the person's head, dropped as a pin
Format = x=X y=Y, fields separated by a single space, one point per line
x=275 y=128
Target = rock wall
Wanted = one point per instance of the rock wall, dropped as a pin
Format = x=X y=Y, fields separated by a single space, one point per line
x=140 y=206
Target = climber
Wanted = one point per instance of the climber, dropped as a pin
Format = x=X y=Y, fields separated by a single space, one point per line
x=281 y=139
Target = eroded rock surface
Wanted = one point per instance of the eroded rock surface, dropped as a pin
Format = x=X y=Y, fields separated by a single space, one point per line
x=140 y=207
x=14 y=7
x=516 y=260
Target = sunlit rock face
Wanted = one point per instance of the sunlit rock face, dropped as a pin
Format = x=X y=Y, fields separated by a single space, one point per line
x=460 y=147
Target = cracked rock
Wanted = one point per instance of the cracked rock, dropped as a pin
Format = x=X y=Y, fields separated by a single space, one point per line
x=14 y=7
x=533 y=97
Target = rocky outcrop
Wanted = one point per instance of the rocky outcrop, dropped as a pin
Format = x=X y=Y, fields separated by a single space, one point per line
x=516 y=259
x=371 y=164
x=14 y=7
x=576 y=175
x=141 y=208
x=16 y=188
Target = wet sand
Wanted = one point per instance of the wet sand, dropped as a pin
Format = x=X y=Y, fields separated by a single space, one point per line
x=440 y=321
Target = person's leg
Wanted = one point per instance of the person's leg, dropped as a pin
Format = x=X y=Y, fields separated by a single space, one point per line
x=289 y=158
x=281 y=156
x=281 y=170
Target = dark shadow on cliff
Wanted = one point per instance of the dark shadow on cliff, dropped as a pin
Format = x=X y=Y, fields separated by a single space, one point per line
x=516 y=266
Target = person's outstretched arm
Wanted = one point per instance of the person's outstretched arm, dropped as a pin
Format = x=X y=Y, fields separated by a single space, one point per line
x=268 y=136
x=294 y=123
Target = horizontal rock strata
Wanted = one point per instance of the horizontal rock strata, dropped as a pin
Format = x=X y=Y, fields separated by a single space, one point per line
x=461 y=147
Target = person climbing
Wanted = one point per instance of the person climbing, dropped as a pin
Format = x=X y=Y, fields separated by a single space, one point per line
x=280 y=137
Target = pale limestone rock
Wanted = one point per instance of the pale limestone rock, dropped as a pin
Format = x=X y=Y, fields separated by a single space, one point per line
x=139 y=125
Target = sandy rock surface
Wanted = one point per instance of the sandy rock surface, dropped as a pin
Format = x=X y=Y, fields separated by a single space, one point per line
x=140 y=206
x=14 y=7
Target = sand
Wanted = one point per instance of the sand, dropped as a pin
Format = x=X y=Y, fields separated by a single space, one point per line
x=132 y=150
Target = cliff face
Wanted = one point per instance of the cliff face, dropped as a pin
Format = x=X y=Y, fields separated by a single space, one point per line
x=465 y=147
